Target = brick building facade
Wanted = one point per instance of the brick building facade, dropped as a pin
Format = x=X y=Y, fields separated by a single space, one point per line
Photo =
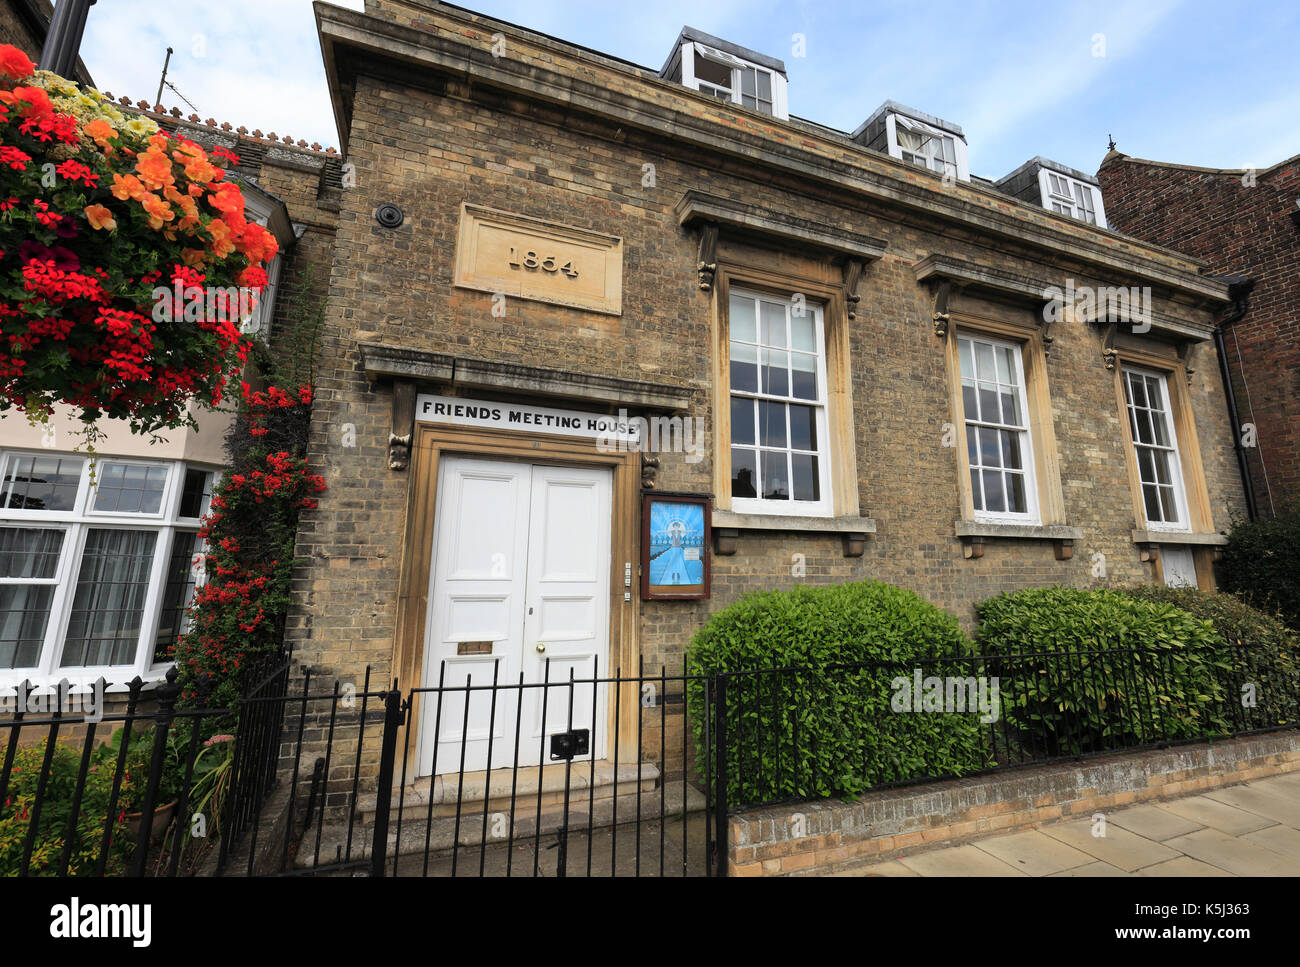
x=1243 y=222
x=531 y=225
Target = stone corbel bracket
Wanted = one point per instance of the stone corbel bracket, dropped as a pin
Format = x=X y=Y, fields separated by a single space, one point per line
x=716 y=215
x=853 y=269
x=945 y=274
x=399 y=437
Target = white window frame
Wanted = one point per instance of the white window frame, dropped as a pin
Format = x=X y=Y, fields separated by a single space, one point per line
x=824 y=506
x=1183 y=525
x=1032 y=514
x=959 y=168
x=692 y=50
x=1064 y=195
x=76 y=525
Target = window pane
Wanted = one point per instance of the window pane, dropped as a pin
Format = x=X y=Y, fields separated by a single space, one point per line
x=29 y=552
x=1170 y=507
x=976 y=491
x=994 y=500
x=178 y=593
x=967 y=355
x=130 y=488
x=1137 y=390
x=803 y=428
x=712 y=71
x=1011 y=406
x=1146 y=465
x=196 y=493
x=24 y=613
x=744 y=368
x=1151 y=498
x=771 y=424
x=772 y=330
x=1016 y=488
x=764 y=86
x=803 y=376
x=1144 y=433
x=984 y=365
x=802 y=334
x=1011 y=449
x=990 y=450
x=41 y=483
x=806 y=484
x=742 y=319
x=1159 y=435
x=742 y=420
x=1161 y=459
x=776 y=482
x=108 y=604
x=989 y=409
x=970 y=405
x=744 y=473
x=747 y=83
x=776 y=377
x=972 y=445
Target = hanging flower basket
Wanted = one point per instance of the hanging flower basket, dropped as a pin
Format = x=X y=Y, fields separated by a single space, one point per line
x=128 y=263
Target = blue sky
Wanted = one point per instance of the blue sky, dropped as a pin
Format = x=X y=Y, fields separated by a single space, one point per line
x=1214 y=84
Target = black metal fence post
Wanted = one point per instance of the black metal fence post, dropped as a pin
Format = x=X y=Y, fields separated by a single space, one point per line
x=166 y=693
x=384 y=794
x=718 y=686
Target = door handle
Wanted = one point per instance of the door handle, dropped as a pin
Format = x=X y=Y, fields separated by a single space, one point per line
x=541 y=647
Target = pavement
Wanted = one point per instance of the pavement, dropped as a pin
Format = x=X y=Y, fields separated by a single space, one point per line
x=1249 y=829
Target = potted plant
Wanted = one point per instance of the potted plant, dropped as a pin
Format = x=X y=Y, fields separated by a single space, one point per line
x=139 y=757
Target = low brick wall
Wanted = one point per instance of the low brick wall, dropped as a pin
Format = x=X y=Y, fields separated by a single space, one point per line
x=814 y=838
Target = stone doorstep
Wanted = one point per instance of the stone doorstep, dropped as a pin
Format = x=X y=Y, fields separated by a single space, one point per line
x=415 y=796
x=442 y=833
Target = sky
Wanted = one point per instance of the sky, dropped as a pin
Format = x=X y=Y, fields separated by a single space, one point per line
x=1194 y=82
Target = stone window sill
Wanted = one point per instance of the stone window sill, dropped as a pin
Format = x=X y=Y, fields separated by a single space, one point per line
x=1178 y=537
x=727 y=526
x=974 y=533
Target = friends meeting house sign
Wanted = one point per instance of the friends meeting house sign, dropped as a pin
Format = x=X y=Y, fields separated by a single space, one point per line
x=486 y=414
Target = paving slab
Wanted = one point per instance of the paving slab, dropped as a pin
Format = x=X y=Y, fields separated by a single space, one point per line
x=1279 y=839
x=958 y=861
x=1034 y=853
x=1152 y=822
x=1182 y=866
x=1262 y=800
x=1218 y=815
x=1118 y=847
x=1092 y=869
x=891 y=868
x=1239 y=856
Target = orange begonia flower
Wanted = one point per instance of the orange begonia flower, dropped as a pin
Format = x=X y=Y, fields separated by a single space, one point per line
x=155 y=169
x=100 y=217
x=159 y=211
x=15 y=63
x=101 y=131
x=194 y=257
x=128 y=186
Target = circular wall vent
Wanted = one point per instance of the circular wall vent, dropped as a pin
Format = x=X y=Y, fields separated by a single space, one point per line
x=389 y=215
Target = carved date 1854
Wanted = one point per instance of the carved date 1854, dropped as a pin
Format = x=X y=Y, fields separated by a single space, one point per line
x=547 y=263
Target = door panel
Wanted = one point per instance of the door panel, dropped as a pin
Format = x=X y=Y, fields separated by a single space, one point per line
x=519 y=583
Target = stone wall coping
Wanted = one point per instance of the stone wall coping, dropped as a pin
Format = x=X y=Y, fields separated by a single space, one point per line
x=812 y=153
x=1039 y=532
x=783 y=522
x=383 y=360
x=1178 y=537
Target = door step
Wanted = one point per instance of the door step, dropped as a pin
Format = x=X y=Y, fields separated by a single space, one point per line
x=419 y=834
x=526 y=787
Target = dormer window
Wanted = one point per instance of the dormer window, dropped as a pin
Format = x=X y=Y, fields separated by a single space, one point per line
x=729 y=73
x=1070 y=197
x=925 y=147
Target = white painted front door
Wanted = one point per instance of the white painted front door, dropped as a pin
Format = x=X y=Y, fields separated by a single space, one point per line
x=520 y=584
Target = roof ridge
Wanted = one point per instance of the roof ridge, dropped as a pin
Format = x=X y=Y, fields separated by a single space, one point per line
x=157 y=110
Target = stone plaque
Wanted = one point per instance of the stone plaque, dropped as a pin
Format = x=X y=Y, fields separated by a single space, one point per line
x=528 y=258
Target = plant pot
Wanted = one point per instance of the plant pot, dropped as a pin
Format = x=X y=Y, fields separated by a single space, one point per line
x=162 y=817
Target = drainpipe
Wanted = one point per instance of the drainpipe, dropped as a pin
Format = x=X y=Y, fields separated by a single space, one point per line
x=63 y=40
x=1239 y=291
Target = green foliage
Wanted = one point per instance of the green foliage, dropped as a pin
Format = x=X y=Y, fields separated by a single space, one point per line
x=1260 y=649
x=1099 y=698
x=56 y=809
x=1261 y=564
x=819 y=730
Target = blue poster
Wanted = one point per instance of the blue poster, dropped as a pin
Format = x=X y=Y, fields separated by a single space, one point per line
x=676 y=544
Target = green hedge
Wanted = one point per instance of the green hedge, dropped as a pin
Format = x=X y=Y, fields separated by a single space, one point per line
x=1091 y=702
x=819 y=731
x=1261 y=564
x=1259 y=648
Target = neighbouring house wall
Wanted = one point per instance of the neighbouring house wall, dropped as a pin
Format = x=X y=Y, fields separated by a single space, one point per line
x=1244 y=223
